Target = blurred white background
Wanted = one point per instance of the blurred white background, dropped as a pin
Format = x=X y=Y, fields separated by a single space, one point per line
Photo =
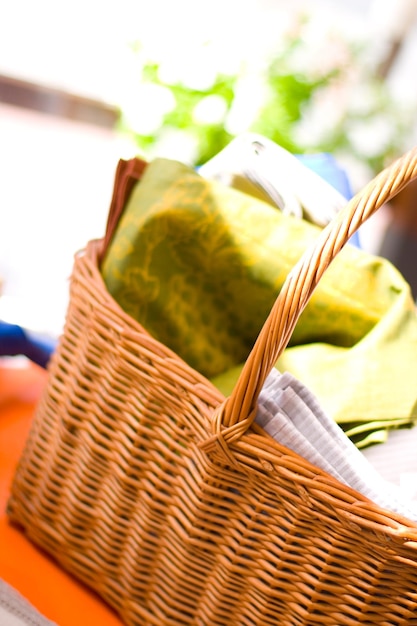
x=57 y=174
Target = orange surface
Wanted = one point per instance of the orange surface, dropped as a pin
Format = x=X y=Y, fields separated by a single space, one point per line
x=53 y=592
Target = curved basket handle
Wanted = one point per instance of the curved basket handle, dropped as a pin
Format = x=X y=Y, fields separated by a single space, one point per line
x=236 y=414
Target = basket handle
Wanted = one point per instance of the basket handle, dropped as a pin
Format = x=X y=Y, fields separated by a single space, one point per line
x=233 y=418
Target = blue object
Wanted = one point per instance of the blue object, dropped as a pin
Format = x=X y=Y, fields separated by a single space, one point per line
x=326 y=166
x=14 y=340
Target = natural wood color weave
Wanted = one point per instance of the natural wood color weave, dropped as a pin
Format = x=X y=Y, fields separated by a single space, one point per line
x=139 y=478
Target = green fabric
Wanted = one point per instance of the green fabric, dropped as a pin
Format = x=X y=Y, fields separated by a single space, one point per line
x=368 y=388
x=200 y=265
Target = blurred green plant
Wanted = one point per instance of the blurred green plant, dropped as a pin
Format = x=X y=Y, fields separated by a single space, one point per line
x=208 y=136
x=309 y=98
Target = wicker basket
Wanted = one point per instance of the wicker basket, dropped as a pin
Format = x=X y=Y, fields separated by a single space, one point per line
x=171 y=503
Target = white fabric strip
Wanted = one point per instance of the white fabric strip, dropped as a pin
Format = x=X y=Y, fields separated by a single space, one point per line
x=291 y=414
x=15 y=610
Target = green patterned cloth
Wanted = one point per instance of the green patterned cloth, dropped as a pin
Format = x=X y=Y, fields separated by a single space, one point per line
x=199 y=265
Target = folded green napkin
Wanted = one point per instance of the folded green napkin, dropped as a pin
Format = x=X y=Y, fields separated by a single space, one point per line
x=199 y=265
x=368 y=388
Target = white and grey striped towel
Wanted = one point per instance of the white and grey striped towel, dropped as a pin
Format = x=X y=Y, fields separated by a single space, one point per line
x=291 y=414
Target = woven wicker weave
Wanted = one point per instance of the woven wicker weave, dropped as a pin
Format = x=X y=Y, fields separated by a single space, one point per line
x=173 y=505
